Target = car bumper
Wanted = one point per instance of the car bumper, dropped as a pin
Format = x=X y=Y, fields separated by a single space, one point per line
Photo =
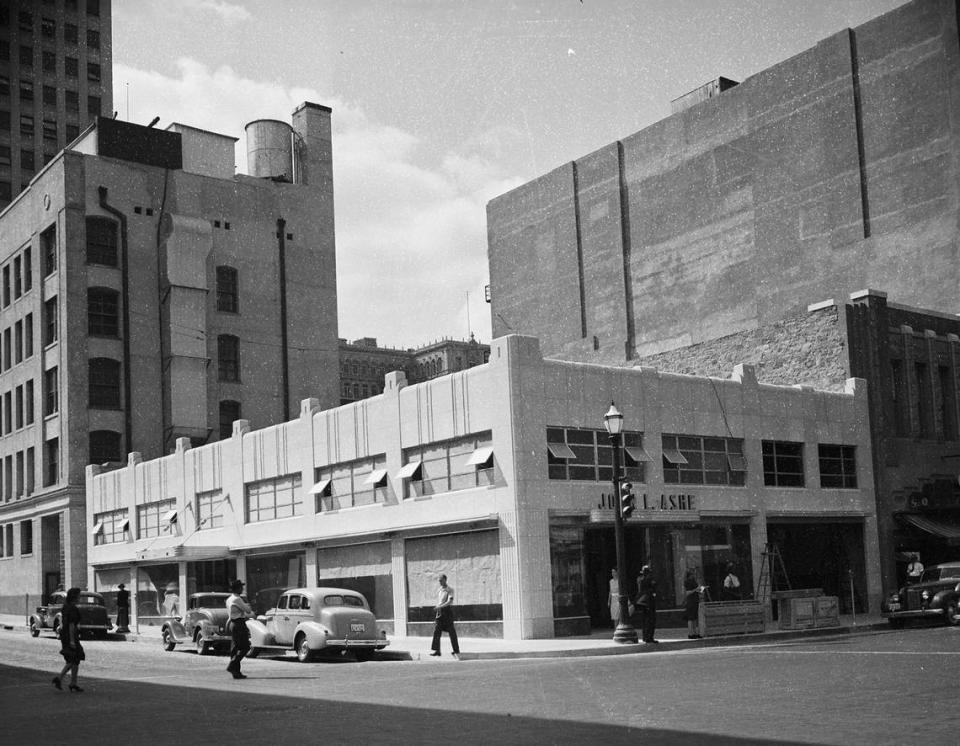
x=359 y=644
x=913 y=613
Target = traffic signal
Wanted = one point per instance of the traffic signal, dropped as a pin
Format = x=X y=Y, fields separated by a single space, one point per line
x=626 y=499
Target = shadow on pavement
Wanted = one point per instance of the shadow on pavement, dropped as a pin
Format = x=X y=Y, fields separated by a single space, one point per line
x=139 y=712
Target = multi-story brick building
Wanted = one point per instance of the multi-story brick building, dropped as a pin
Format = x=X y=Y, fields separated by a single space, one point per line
x=363 y=364
x=150 y=294
x=832 y=171
x=500 y=477
x=56 y=76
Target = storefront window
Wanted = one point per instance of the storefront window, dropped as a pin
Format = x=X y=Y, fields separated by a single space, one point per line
x=158 y=593
x=106 y=582
x=471 y=562
x=365 y=568
x=567 y=569
x=211 y=576
x=269 y=575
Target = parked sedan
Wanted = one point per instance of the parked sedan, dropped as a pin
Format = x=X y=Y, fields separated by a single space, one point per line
x=936 y=596
x=203 y=624
x=93 y=614
x=311 y=620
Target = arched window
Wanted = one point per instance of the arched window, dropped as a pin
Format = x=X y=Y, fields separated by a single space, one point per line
x=103 y=312
x=228 y=357
x=101 y=241
x=228 y=299
x=104 y=383
x=229 y=412
x=105 y=446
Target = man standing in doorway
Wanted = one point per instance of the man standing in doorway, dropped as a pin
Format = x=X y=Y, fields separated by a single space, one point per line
x=123 y=609
x=444 y=620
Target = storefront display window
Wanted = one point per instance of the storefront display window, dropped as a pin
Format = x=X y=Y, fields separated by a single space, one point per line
x=567 y=569
x=106 y=582
x=158 y=593
x=365 y=568
x=471 y=562
x=211 y=576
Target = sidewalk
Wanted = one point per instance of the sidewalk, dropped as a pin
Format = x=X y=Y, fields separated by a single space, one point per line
x=598 y=643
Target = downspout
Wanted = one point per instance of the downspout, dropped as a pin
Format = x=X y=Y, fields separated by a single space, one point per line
x=284 y=366
x=125 y=316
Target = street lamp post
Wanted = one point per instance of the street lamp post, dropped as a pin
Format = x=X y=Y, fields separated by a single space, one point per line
x=625 y=633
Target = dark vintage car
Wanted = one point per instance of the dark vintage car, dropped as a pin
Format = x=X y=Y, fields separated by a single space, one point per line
x=936 y=596
x=310 y=621
x=93 y=614
x=203 y=624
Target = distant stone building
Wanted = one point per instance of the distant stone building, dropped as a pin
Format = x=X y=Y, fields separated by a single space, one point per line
x=832 y=171
x=56 y=76
x=150 y=294
x=363 y=364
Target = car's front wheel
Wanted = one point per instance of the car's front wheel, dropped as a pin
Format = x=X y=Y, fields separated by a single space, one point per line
x=200 y=644
x=304 y=653
x=34 y=628
x=950 y=614
x=166 y=639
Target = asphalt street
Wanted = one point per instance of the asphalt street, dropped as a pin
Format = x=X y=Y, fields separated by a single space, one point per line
x=881 y=687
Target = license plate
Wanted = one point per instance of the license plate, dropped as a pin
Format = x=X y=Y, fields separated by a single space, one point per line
x=894 y=606
x=355 y=627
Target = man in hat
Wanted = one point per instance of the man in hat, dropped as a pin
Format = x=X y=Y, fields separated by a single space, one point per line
x=239 y=612
x=647 y=604
x=123 y=609
x=171 y=600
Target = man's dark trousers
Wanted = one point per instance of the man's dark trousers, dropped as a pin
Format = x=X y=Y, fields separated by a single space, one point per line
x=443 y=624
x=240 y=645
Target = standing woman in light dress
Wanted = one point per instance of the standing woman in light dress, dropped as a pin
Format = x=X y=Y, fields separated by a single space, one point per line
x=614 y=598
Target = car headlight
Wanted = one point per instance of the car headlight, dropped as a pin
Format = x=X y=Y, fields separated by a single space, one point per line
x=925 y=595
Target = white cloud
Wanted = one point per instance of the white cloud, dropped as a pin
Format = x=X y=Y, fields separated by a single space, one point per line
x=410 y=223
x=228 y=12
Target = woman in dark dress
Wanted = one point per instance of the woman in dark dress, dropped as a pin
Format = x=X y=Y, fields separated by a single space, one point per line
x=70 y=647
x=691 y=605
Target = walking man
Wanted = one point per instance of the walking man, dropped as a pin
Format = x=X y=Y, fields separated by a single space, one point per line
x=123 y=609
x=444 y=622
x=239 y=611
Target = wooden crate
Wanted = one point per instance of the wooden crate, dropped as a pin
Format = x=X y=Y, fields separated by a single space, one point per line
x=731 y=618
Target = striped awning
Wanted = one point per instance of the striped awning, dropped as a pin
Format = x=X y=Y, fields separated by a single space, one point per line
x=949 y=532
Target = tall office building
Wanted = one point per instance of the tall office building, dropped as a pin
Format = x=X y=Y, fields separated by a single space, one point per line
x=149 y=294
x=56 y=76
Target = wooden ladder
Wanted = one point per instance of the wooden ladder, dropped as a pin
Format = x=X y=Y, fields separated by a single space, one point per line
x=773 y=575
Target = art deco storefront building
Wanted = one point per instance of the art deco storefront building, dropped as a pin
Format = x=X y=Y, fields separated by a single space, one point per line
x=499 y=476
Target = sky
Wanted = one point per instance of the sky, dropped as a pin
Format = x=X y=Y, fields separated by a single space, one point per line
x=441 y=105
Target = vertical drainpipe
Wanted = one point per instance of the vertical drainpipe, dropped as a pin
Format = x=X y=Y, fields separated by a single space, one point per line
x=125 y=317
x=284 y=366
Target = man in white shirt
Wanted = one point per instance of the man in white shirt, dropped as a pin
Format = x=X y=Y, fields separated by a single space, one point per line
x=731 y=585
x=444 y=622
x=239 y=612
x=914 y=570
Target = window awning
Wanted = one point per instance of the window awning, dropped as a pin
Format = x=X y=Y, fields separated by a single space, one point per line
x=320 y=487
x=170 y=516
x=480 y=457
x=736 y=462
x=377 y=477
x=674 y=456
x=561 y=450
x=948 y=532
x=637 y=453
x=97 y=528
x=409 y=470
x=124 y=524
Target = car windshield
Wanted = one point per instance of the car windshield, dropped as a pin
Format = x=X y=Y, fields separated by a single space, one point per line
x=342 y=601
x=86 y=598
x=209 y=602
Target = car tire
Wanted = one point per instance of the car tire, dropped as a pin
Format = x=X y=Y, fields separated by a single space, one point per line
x=950 y=614
x=166 y=640
x=34 y=628
x=200 y=644
x=304 y=653
x=56 y=627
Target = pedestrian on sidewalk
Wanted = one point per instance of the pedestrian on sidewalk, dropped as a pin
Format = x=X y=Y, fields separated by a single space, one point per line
x=70 y=647
x=123 y=609
x=691 y=604
x=613 y=600
x=239 y=612
x=914 y=569
x=444 y=619
x=647 y=604
x=731 y=585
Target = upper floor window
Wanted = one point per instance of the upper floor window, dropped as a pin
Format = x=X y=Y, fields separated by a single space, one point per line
x=445 y=467
x=50 y=320
x=210 y=509
x=48 y=249
x=692 y=459
x=227 y=297
x=273 y=498
x=101 y=241
x=155 y=518
x=103 y=315
x=105 y=446
x=350 y=485
x=104 y=383
x=51 y=391
x=838 y=466
x=51 y=462
x=586 y=454
x=228 y=358
x=229 y=413
x=782 y=464
x=110 y=527
x=93 y=38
